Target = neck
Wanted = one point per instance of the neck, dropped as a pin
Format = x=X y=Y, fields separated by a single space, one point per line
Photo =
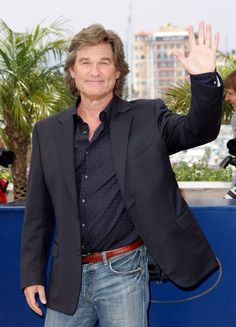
x=91 y=108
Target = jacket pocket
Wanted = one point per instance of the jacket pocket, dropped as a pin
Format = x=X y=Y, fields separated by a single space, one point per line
x=185 y=219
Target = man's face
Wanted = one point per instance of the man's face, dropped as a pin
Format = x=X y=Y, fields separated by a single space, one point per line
x=94 y=71
x=230 y=97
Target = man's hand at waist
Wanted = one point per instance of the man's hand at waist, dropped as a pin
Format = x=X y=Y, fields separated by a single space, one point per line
x=30 y=294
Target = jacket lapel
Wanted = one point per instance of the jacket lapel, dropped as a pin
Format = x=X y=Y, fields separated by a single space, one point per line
x=120 y=122
x=119 y=131
x=65 y=143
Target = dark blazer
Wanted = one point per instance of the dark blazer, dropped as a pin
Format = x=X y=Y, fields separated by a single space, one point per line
x=143 y=134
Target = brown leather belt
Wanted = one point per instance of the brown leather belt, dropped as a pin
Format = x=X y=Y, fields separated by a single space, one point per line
x=97 y=256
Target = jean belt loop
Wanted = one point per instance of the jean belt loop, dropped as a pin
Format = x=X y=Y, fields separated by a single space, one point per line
x=104 y=258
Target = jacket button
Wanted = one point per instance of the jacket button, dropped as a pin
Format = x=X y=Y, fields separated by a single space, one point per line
x=78 y=252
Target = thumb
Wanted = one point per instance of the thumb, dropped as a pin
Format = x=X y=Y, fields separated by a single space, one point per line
x=42 y=295
x=178 y=54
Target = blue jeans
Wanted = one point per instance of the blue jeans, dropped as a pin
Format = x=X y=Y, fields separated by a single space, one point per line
x=113 y=291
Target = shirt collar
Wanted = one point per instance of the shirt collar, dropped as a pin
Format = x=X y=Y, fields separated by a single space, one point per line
x=104 y=115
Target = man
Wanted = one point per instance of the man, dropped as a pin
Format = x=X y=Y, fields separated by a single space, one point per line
x=101 y=172
x=230 y=96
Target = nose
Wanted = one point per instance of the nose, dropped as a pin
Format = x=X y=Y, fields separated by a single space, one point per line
x=227 y=97
x=94 y=70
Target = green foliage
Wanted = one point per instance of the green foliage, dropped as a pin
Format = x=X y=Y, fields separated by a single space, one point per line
x=178 y=98
x=31 y=86
x=5 y=174
x=200 y=172
x=228 y=64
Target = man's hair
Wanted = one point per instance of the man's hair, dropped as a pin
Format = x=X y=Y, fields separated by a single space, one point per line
x=93 y=35
x=230 y=81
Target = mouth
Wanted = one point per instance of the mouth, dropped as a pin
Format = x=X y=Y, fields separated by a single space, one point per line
x=94 y=81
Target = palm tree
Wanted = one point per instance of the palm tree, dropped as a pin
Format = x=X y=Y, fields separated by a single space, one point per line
x=178 y=98
x=31 y=88
x=228 y=64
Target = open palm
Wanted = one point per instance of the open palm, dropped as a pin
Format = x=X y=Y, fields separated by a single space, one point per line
x=202 y=55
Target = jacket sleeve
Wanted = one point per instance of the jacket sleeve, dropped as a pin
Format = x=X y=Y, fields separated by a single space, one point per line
x=38 y=222
x=202 y=124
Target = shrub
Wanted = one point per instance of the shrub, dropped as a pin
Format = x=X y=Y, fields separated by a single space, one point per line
x=200 y=172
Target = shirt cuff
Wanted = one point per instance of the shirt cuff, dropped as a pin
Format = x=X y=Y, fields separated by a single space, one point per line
x=208 y=79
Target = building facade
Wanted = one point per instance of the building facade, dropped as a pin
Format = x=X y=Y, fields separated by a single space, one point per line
x=155 y=67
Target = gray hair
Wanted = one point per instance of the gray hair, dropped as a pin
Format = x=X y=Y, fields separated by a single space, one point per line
x=93 y=35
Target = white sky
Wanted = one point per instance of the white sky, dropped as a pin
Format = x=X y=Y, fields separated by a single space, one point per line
x=147 y=15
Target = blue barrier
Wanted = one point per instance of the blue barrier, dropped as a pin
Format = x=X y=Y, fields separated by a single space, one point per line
x=217 y=307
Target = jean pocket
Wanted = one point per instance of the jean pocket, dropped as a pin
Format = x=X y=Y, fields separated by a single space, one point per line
x=129 y=263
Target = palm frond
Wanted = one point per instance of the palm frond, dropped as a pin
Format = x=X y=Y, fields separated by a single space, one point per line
x=30 y=81
x=178 y=98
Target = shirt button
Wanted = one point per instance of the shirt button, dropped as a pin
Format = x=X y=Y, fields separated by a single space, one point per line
x=83 y=200
x=87 y=152
x=83 y=225
x=84 y=132
x=82 y=246
x=85 y=176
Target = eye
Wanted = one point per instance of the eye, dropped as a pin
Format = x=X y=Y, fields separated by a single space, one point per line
x=84 y=62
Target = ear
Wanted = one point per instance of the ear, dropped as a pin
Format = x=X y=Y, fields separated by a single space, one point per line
x=72 y=73
x=117 y=74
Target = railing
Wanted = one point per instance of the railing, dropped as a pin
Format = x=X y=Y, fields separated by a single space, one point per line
x=211 y=304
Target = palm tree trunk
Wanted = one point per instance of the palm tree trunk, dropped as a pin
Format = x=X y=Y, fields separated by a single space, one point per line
x=18 y=143
x=19 y=172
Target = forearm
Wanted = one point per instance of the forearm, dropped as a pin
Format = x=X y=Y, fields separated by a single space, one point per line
x=38 y=223
x=204 y=116
x=35 y=244
x=202 y=123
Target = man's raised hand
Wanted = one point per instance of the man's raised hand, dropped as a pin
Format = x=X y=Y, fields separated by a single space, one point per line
x=202 y=56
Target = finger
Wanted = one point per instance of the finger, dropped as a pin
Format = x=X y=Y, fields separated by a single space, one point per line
x=208 y=36
x=201 y=33
x=191 y=37
x=180 y=56
x=216 y=41
x=32 y=303
x=42 y=295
